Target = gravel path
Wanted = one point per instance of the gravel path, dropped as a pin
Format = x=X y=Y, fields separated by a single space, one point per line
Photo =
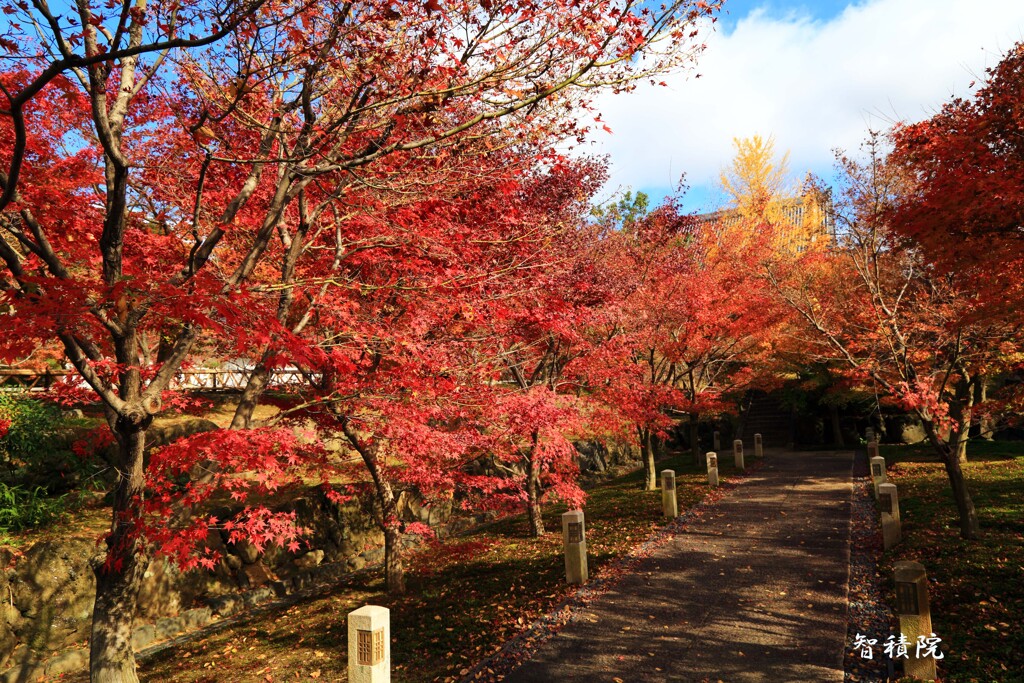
x=869 y=614
x=755 y=589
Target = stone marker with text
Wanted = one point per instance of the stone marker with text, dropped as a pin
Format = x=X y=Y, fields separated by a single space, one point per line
x=574 y=540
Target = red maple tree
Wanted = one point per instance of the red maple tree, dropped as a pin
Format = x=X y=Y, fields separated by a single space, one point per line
x=170 y=174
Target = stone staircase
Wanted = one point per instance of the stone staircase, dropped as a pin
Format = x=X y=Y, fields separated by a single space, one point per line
x=764 y=415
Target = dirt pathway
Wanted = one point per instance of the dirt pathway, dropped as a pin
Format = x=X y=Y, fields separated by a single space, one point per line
x=755 y=590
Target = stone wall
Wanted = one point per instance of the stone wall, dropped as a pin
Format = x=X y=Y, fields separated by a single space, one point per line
x=47 y=590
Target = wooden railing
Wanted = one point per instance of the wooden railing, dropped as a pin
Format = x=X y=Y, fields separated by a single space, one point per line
x=203 y=379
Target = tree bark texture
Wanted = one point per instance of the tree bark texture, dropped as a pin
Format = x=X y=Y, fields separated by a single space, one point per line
x=533 y=490
x=961 y=408
x=118 y=580
x=647 y=454
x=985 y=427
x=394 y=555
x=969 y=528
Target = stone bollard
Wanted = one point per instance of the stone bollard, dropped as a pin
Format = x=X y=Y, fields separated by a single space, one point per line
x=717 y=441
x=878 y=474
x=713 y=468
x=872 y=449
x=889 y=506
x=369 y=645
x=669 y=503
x=737 y=454
x=758 y=446
x=915 y=616
x=574 y=539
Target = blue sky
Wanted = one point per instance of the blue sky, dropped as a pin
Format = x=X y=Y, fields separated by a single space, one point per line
x=815 y=75
x=734 y=10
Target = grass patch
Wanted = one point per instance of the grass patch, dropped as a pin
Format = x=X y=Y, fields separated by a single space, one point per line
x=977 y=594
x=466 y=597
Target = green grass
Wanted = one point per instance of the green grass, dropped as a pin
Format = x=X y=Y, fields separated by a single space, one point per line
x=466 y=597
x=977 y=588
x=22 y=508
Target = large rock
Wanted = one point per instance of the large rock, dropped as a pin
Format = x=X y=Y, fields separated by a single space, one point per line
x=257 y=574
x=53 y=587
x=593 y=456
x=906 y=429
x=165 y=431
x=8 y=641
x=246 y=551
x=413 y=508
x=160 y=594
x=310 y=559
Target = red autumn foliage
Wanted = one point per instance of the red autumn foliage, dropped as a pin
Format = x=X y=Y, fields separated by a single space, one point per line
x=174 y=170
x=966 y=205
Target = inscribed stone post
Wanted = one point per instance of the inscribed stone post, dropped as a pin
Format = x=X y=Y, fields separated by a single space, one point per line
x=869 y=434
x=574 y=540
x=878 y=474
x=737 y=453
x=369 y=645
x=915 y=616
x=758 y=446
x=717 y=441
x=713 y=468
x=872 y=449
x=669 y=503
x=889 y=506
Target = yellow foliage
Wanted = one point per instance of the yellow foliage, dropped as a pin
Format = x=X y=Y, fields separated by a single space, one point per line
x=763 y=200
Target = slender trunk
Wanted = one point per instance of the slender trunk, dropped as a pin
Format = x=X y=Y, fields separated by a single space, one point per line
x=984 y=420
x=959 y=440
x=251 y=394
x=118 y=580
x=394 y=555
x=837 y=432
x=533 y=491
x=964 y=505
x=695 y=438
x=394 y=558
x=647 y=454
x=962 y=410
x=394 y=564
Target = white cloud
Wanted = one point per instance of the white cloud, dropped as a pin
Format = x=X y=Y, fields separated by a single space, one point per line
x=814 y=85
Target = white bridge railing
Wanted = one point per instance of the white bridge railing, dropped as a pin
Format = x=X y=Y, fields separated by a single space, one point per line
x=202 y=379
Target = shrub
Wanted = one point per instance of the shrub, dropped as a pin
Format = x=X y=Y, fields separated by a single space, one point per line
x=31 y=431
x=22 y=509
x=36 y=446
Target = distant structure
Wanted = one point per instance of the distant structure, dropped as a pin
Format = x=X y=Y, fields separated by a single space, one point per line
x=797 y=223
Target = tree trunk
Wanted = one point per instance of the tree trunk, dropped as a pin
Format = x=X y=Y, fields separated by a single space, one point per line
x=962 y=410
x=964 y=505
x=118 y=580
x=394 y=564
x=695 y=438
x=394 y=553
x=647 y=454
x=837 y=432
x=394 y=558
x=533 y=491
x=251 y=394
x=984 y=420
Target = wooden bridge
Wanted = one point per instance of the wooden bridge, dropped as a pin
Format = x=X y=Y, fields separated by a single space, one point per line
x=200 y=380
